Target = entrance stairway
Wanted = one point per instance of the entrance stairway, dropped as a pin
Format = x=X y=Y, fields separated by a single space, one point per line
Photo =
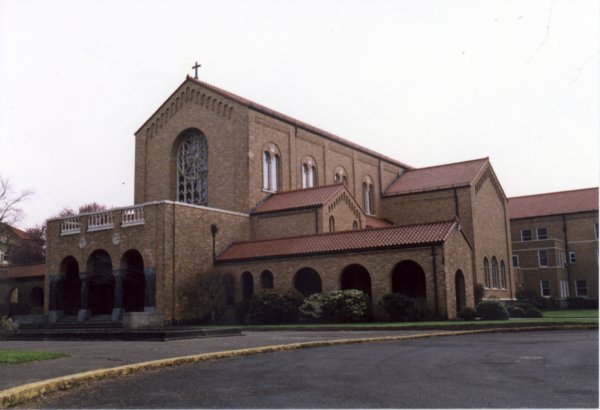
x=100 y=327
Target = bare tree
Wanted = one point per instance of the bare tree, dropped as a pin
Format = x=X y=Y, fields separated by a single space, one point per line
x=10 y=202
x=91 y=207
x=32 y=249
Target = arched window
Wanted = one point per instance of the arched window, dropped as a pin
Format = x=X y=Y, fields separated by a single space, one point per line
x=355 y=225
x=192 y=168
x=368 y=195
x=309 y=173
x=266 y=279
x=13 y=296
x=331 y=224
x=340 y=176
x=247 y=285
x=494 y=273
x=486 y=272
x=502 y=274
x=271 y=169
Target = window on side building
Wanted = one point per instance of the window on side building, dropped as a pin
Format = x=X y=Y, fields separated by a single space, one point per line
x=526 y=235
x=545 y=288
x=564 y=289
x=543 y=257
x=515 y=259
x=581 y=288
x=542 y=233
x=572 y=257
x=596 y=230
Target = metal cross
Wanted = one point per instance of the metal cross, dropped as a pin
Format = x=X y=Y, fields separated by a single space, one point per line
x=196 y=67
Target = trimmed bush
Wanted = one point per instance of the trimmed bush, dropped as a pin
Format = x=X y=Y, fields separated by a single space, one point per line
x=311 y=309
x=533 y=312
x=467 y=313
x=342 y=306
x=492 y=310
x=532 y=297
x=516 y=311
x=399 y=307
x=268 y=307
x=582 y=303
x=478 y=292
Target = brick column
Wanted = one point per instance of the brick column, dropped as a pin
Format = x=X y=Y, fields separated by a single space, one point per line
x=150 y=289
x=117 y=312
x=84 y=311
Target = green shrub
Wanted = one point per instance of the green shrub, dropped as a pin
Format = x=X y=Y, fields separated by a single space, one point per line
x=492 y=310
x=269 y=307
x=8 y=325
x=533 y=312
x=311 y=309
x=467 y=313
x=478 y=292
x=516 y=311
x=532 y=297
x=346 y=306
x=582 y=303
x=399 y=307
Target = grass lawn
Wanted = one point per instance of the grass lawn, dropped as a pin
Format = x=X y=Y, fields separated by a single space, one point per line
x=24 y=356
x=580 y=313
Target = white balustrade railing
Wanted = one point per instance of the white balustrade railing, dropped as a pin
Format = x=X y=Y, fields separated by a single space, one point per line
x=132 y=216
x=70 y=225
x=100 y=220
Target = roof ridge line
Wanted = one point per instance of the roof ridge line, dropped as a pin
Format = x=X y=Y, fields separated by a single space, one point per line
x=445 y=165
x=553 y=193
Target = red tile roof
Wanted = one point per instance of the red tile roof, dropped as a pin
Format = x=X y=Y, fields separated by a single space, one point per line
x=554 y=203
x=373 y=222
x=285 y=118
x=297 y=199
x=22 y=271
x=445 y=176
x=336 y=242
x=19 y=233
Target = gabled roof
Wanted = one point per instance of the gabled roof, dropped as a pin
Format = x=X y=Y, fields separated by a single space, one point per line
x=282 y=117
x=298 y=199
x=554 y=203
x=18 y=233
x=459 y=174
x=337 y=242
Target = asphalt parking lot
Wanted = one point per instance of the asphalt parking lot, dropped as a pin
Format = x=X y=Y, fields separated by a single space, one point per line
x=528 y=369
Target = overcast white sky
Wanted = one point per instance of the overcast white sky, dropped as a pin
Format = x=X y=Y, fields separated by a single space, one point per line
x=426 y=82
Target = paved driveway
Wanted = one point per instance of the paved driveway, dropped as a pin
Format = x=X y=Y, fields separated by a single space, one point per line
x=537 y=369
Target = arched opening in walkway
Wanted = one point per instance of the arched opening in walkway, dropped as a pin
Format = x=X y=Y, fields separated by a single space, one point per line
x=102 y=283
x=36 y=297
x=247 y=285
x=356 y=276
x=134 y=282
x=71 y=291
x=307 y=281
x=266 y=279
x=460 y=289
x=408 y=278
x=13 y=295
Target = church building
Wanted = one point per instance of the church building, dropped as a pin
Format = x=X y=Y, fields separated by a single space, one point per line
x=271 y=203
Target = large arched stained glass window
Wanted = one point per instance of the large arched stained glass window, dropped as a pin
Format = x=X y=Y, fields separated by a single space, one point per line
x=192 y=168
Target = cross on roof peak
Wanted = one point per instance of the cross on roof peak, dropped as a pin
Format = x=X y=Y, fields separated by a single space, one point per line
x=196 y=67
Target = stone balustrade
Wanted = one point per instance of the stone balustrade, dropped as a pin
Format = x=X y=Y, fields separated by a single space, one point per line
x=102 y=220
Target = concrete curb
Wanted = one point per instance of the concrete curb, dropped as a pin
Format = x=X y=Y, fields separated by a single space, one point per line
x=11 y=397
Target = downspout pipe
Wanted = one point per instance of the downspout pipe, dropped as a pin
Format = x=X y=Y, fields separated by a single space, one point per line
x=213 y=231
x=567 y=257
x=435 y=287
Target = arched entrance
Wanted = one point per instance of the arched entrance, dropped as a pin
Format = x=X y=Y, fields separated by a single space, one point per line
x=36 y=298
x=71 y=291
x=408 y=278
x=13 y=295
x=266 y=279
x=356 y=277
x=134 y=282
x=460 y=289
x=102 y=283
x=307 y=281
x=247 y=285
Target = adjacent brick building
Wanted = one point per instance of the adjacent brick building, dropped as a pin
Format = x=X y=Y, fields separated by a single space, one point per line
x=223 y=183
x=555 y=243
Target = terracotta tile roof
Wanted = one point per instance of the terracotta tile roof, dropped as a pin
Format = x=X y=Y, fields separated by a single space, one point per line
x=297 y=199
x=445 y=176
x=336 y=242
x=554 y=203
x=285 y=118
x=19 y=233
x=373 y=222
x=22 y=271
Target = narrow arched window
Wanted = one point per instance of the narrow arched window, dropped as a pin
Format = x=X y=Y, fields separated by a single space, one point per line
x=355 y=225
x=309 y=173
x=274 y=186
x=368 y=196
x=486 y=272
x=271 y=164
x=192 y=168
x=502 y=274
x=494 y=273
x=339 y=176
x=331 y=224
x=266 y=170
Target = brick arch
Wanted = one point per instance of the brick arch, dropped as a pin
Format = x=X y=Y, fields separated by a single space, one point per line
x=133 y=281
x=356 y=276
x=99 y=267
x=71 y=287
x=408 y=278
x=308 y=281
